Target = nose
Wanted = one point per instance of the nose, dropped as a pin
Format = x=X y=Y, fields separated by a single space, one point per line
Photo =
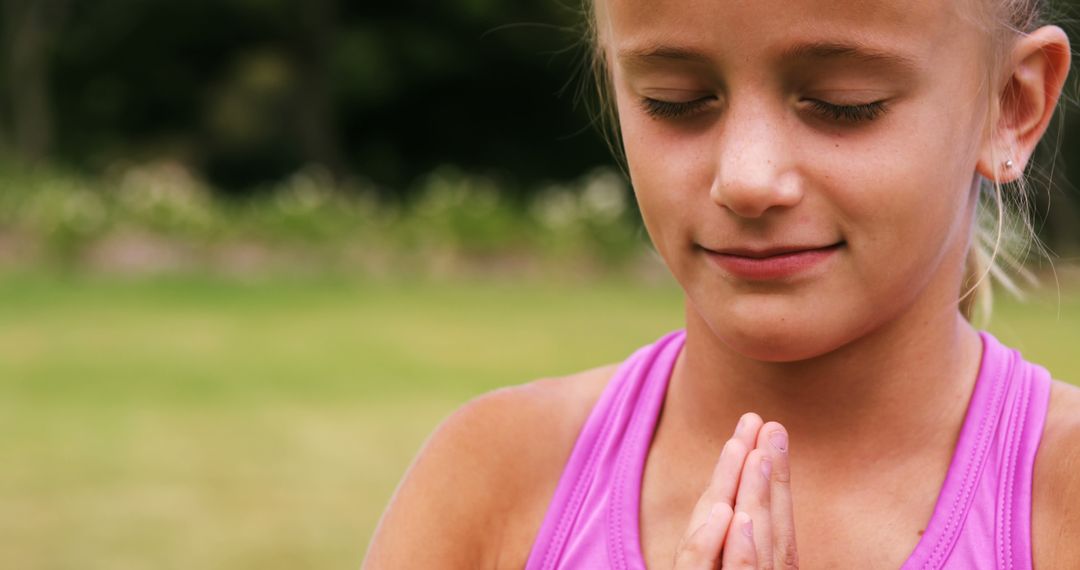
x=754 y=163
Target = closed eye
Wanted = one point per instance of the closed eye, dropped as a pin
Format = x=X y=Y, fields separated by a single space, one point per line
x=673 y=109
x=851 y=114
x=861 y=113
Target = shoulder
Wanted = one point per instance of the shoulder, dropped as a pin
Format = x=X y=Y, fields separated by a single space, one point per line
x=478 y=490
x=1056 y=487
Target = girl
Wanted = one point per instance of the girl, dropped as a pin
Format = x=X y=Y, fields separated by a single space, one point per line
x=810 y=173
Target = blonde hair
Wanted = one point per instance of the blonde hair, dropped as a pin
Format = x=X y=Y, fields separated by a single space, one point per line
x=1003 y=235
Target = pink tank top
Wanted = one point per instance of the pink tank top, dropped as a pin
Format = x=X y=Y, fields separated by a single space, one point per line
x=982 y=518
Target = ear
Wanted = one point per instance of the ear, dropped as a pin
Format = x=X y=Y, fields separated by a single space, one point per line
x=1038 y=66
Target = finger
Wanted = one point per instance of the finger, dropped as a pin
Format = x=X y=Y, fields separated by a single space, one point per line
x=754 y=500
x=748 y=428
x=774 y=438
x=700 y=547
x=724 y=481
x=739 y=550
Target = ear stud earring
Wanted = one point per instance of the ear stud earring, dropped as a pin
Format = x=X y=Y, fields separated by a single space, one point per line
x=1009 y=163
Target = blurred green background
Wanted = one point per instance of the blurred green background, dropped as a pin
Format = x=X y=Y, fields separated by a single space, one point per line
x=252 y=251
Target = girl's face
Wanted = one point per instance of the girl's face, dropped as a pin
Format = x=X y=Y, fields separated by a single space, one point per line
x=805 y=168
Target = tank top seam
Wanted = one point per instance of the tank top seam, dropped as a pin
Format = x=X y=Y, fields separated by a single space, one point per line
x=1039 y=382
x=1008 y=480
x=948 y=536
x=613 y=515
x=1005 y=490
x=1015 y=440
x=614 y=510
x=947 y=540
x=573 y=506
x=633 y=448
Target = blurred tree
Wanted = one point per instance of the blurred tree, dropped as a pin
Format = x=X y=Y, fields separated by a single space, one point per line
x=248 y=91
x=474 y=83
x=30 y=28
x=316 y=121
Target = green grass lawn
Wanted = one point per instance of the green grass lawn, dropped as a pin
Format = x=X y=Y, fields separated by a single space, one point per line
x=200 y=423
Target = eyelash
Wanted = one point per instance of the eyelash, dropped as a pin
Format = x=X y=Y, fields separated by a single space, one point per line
x=865 y=112
x=841 y=113
x=670 y=110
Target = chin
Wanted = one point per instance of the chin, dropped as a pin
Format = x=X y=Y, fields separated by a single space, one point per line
x=779 y=335
x=775 y=348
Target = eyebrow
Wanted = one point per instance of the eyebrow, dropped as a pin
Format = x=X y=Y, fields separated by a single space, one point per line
x=810 y=50
x=852 y=51
x=660 y=51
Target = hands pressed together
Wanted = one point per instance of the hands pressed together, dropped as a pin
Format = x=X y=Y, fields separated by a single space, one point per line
x=744 y=519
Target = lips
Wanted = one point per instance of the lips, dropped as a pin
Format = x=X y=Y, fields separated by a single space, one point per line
x=771 y=262
x=772 y=251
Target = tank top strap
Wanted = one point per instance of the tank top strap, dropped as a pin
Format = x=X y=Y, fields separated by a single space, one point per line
x=982 y=518
x=592 y=520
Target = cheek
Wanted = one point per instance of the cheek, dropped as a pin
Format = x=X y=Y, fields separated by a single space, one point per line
x=905 y=198
x=668 y=171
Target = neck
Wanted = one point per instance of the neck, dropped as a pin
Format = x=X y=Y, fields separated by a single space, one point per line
x=900 y=384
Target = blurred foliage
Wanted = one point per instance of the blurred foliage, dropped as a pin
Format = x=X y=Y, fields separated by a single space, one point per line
x=161 y=216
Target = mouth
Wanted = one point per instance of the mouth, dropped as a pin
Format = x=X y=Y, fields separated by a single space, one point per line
x=772 y=262
x=773 y=251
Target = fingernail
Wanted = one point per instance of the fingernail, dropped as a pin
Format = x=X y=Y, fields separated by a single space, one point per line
x=739 y=426
x=748 y=528
x=714 y=513
x=778 y=440
x=766 y=468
